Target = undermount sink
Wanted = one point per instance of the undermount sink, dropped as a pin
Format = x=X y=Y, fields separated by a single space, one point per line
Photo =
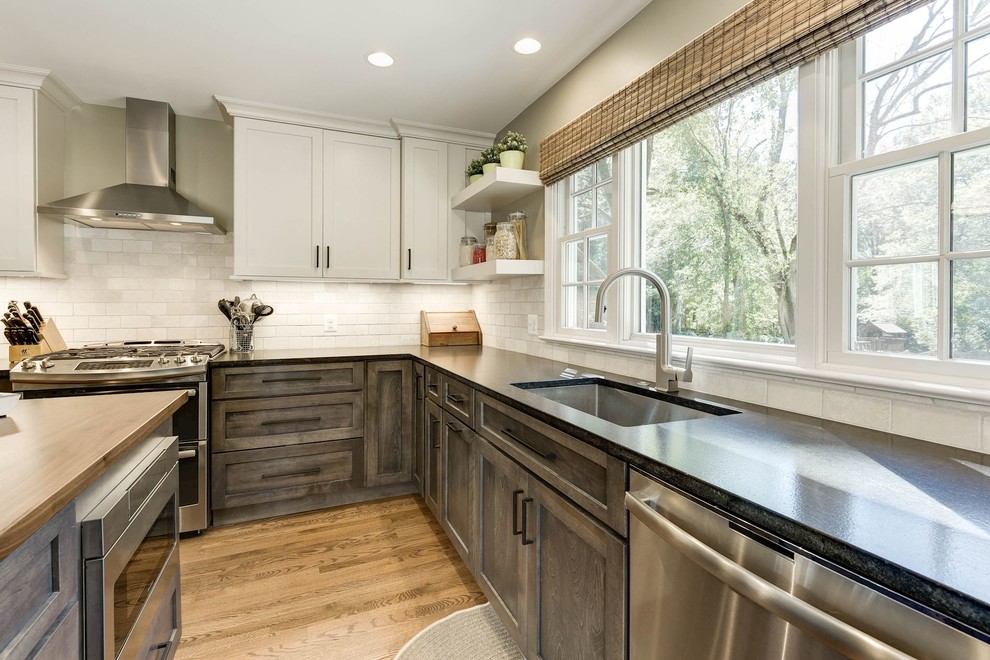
x=622 y=404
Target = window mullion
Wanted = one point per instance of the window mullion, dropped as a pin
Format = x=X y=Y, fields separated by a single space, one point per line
x=943 y=345
x=959 y=68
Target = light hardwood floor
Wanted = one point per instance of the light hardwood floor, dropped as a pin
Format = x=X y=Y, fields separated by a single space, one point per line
x=352 y=582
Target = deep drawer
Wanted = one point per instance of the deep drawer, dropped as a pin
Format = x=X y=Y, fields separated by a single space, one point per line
x=590 y=477
x=458 y=399
x=262 y=476
x=274 y=422
x=240 y=382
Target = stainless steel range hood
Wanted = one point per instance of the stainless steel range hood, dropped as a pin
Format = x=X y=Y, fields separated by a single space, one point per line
x=147 y=199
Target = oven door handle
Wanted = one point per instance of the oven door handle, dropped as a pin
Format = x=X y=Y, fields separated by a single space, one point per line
x=187 y=453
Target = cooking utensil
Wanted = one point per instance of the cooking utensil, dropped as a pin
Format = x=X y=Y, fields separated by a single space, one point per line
x=224 y=307
x=263 y=310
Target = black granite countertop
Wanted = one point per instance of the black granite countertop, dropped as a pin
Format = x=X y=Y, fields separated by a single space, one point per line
x=911 y=516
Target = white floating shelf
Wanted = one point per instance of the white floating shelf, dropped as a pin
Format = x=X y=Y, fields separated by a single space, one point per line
x=497 y=189
x=494 y=270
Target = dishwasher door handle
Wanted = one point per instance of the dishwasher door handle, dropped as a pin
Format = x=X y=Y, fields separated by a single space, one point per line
x=837 y=634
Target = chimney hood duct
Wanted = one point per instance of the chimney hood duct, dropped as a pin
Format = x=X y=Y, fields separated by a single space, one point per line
x=147 y=199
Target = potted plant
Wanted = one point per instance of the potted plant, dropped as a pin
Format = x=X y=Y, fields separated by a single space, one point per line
x=512 y=150
x=475 y=170
x=490 y=158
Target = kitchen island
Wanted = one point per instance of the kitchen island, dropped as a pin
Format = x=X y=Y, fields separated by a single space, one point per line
x=909 y=517
x=52 y=449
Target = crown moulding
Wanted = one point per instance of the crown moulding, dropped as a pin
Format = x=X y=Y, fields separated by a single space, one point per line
x=41 y=80
x=396 y=128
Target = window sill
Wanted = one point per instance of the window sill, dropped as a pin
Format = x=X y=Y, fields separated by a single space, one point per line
x=770 y=364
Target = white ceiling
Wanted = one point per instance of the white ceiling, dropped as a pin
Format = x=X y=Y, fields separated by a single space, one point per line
x=454 y=63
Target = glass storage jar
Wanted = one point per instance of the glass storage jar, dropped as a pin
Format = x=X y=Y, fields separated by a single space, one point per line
x=465 y=256
x=490 y=248
x=518 y=220
x=480 y=255
x=505 y=241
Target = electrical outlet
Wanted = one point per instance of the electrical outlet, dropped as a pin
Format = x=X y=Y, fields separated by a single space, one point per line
x=329 y=324
x=532 y=324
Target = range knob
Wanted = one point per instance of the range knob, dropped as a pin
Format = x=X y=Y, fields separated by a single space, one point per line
x=28 y=365
x=195 y=358
x=180 y=359
x=163 y=360
x=46 y=364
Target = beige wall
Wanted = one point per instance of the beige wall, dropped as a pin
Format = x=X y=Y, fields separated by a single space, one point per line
x=204 y=154
x=660 y=29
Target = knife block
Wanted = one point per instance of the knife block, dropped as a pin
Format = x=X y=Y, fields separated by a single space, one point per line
x=51 y=341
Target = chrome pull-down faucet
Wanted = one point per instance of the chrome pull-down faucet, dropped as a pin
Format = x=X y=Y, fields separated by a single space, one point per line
x=667 y=374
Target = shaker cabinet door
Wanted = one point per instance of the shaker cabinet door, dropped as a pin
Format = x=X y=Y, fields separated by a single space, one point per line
x=458 y=514
x=433 y=436
x=361 y=206
x=388 y=429
x=425 y=210
x=17 y=205
x=278 y=199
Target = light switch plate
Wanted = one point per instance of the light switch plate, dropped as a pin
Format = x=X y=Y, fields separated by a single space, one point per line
x=329 y=324
x=532 y=324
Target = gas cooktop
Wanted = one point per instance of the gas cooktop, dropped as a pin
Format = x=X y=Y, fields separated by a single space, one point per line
x=113 y=363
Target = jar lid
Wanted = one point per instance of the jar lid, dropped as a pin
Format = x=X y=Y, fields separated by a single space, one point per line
x=517 y=215
x=505 y=224
x=467 y=240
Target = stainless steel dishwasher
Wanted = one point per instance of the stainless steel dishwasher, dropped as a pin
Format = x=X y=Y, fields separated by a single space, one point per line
x=706 y=586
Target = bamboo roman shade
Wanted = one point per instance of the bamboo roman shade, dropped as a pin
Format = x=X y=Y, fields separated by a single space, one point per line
x=763 y=39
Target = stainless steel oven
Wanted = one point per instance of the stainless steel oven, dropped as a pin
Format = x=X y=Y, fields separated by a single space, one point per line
x=131 y=562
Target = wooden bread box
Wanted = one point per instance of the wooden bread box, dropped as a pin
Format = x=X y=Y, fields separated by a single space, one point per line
x=51 y=341
x=449 y=329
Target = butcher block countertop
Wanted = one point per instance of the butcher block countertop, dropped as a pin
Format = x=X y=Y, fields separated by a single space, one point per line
x=52 y=449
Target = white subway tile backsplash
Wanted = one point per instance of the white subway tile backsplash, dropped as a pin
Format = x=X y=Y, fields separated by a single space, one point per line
x=858 y=408
x=942 y=425
x=802 y=399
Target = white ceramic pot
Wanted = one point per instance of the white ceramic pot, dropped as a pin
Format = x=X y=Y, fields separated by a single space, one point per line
x=489 y=167
x=512 y=158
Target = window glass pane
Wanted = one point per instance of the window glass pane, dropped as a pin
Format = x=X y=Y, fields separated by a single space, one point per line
x=896 y=308
x=584 y=178
x=720 y=216
x=971 y=200
x=605 y=169
x=574 y=261
x=920 y=29
x=978 y=83
x=908 y=106
x=977 y=13
x=604 y=217
x=573 y=295
x=597 y=258
x=895 y=211
x=584 y=210
x=592 y=297
x=971 y=309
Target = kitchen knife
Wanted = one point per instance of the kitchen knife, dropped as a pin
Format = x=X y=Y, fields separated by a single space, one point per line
x=9 y=336
x=35 y=311
x=29 y=317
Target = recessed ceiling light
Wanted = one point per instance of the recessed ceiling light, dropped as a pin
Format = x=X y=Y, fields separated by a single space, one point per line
x=527 y=46
x=380 y=59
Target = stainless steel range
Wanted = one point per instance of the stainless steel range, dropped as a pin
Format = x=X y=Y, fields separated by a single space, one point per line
x=140 y=366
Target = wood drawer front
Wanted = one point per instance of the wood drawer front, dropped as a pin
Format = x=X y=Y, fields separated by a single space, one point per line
x=589 y=476
x=261 y=476
x=239 y=382
x=433 y=391
x=281 y=421
x=39 y=581
x=458 y=399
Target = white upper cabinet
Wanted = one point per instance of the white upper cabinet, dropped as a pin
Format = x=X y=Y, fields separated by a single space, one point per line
x=424 y=210
x=278 y=199
x=361 y=206
x=32 y=148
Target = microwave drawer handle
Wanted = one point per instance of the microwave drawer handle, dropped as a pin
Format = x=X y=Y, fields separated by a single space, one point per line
x=546 y=455
x=456 y=398
x=837 y=634
x=187 y=453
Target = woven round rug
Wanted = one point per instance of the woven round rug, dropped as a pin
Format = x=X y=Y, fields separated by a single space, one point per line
x=471 y=634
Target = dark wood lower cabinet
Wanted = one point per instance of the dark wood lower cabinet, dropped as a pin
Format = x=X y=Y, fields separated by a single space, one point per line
x=419 y=427
x=433 y=436
x=458 y=514
x=388 y=431
x=556 y=576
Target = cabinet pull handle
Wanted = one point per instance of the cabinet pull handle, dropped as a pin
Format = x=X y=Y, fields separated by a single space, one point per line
x=303 y=473
x=454 y=427
x=456 y=398
x=317 y=256
x=525 y=521
x=436 y=440
x=549 y=456
x=516 y=529
x=300 y=420
x=187 y=453
x=328 y=256
x=409 y=262
x=419 y=392
x=300 y=379
x=431 y=387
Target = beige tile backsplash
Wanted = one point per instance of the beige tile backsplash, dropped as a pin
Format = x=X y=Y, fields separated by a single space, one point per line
x=156 y=285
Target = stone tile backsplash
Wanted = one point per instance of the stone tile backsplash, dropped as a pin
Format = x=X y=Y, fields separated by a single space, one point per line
x=158 y=285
